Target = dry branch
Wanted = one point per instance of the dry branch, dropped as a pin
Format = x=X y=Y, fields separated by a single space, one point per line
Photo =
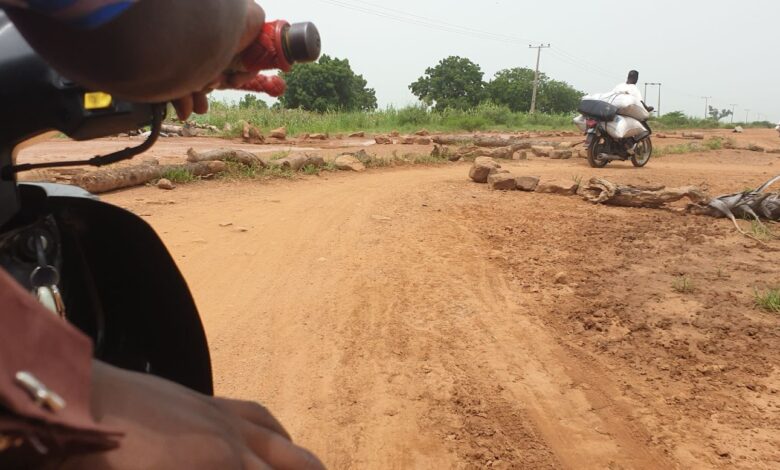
x=601 y=191
x=124 y=177
x=226 y=155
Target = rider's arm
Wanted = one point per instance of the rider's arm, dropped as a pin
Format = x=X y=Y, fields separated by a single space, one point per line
x=38 y=347
x=153 y=50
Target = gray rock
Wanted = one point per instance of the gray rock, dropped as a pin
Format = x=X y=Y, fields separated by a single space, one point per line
x=527 y=183
x=349 y=163
x=564 y=188
x=166 y=184
x=482 y=168
x=502 y=182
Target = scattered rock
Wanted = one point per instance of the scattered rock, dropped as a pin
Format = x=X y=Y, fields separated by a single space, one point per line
x=560 y=154
x=166 y=184
x=482 y=168
x=150 y=161
x=190 y=130
x=314 y=160
x=242 y=229
x=527 y=183
x=226 y=224
x=661 y=135
x=444 y=152
x=501 y=182
x=423 y=133
x=357 y=134
x=381 y=218
x=318 y=136
x=520 y=155
x=349 y=163
x=739 y=130
x=565 y=188
x=542 y=151
x=722 y=453
x=422 y=141
x=227 y=128
x=294 y=162
x=252 y=134
x=395 y=134
x=772 y=150
x=279 y=133
x=383 y=140
x=755 y=148
x=407 y=141
x=565 y=145
x=561 y=278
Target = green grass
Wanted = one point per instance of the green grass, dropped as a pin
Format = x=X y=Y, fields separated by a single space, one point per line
x=761 y=231
x=683 y=284
x=311 y=170
x=407 y=120
x=715 y=143
x=768 y=300
x=178 y=176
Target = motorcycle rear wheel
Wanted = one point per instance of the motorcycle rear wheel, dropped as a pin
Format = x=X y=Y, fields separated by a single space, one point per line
x=596 y=147
x=642 y=152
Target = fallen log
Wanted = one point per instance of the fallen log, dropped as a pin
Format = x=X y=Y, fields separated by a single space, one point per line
x=111 y=179
x=601 y=191
x=452 y=140
x=226 y=155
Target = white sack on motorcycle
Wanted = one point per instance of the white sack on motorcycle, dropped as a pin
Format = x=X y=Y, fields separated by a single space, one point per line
x=624 y=127
x=626 y=104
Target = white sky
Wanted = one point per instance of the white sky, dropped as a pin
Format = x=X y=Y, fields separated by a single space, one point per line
x=718 y=48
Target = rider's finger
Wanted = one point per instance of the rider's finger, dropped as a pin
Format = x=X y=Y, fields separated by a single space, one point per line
x=200 y=103
x=254 y=413
x=183 y=107
x=253 y=462
x=277 y=451
x=241 y=78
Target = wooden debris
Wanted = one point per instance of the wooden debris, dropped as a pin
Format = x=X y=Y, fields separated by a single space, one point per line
x=128 y=176
x=602 y=191
x=226 y=155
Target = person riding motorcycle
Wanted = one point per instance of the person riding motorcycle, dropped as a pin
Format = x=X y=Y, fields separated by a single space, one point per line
x=58 y=406
x=630 y=88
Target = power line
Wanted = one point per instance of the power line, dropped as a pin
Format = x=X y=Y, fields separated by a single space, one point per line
x=466 y=31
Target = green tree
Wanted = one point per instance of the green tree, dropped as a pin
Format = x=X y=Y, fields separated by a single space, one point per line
x=251 y=101
x=556 y=97
x=456 y=82
x=718 y=114
x=514 y=88
x=329 y=84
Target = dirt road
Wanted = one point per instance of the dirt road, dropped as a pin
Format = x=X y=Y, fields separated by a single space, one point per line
x=407 y=318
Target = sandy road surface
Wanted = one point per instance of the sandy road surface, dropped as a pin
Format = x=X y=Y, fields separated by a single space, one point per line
x=407 y=318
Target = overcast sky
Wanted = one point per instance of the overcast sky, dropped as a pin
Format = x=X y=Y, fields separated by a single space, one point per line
x=719 y=48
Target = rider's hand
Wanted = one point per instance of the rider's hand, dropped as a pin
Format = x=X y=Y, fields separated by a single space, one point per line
x=169 y=426
x=198 y=102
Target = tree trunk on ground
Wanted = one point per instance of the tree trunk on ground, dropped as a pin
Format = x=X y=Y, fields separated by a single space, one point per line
x=601 y=191
x=102 y=181
x=226 y=155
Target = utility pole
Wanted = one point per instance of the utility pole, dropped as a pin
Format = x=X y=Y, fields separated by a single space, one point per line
x=659 y=95
x=733 y=110
x=706 y=104
x=747 y=113
x=536 y=76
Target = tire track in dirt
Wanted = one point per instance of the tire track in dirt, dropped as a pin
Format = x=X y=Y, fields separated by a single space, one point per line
x=380 y=317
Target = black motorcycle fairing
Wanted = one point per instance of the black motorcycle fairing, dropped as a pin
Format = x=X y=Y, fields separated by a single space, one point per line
x=122 y=288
